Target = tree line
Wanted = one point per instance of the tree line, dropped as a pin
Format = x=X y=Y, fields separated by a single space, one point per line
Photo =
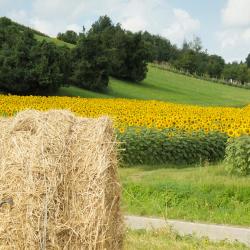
x=29 y=66
x=191 y=58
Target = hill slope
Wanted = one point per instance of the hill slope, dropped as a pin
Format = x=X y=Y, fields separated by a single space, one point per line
x=161 y=85
x=167 y=86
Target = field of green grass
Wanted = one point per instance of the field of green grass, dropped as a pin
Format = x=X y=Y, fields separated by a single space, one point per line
x=167 y=86
x=204 y=194
x=165 y=239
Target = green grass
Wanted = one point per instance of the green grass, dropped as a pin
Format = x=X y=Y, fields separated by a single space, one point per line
x=165 y=239
x=167 y=86
x=204 y=194
x=54 y=40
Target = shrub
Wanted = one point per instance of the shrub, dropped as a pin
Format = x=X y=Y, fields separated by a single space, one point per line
x=238 y=155
x=152 y=146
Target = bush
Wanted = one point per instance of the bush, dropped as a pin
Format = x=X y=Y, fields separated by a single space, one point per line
x=238 y=155
x=152 y=146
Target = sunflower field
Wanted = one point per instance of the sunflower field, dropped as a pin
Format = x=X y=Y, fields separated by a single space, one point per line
x=152 y=132
x=140 y=113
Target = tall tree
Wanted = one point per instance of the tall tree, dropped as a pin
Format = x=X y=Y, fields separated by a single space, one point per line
x=127 y=51
x=91 y=65
x=69 y=36
x=215 y=66
x=248 y=60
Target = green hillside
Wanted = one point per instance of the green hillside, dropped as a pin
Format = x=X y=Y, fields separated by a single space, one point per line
x=167 y=86
x=162 y=85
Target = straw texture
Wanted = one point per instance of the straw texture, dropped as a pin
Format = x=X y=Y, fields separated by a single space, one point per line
x=58 y=183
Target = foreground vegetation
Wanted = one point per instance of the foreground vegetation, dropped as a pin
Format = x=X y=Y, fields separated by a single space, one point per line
x=166 y=239
x=168 y=86
x=198 y=193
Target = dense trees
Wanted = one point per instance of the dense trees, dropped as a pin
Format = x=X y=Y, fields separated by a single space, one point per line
x=90 y=63
x=127 y=52
x=237 y=72
x=193 y=59
x=28 y=66
x=159 y=48
x=69 y=36
x=248 y=60
x=215 y=66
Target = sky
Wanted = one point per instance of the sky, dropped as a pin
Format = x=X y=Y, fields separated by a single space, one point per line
x=222 y=25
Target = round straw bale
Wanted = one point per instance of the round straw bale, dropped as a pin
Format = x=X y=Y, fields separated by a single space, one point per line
x=58 y=182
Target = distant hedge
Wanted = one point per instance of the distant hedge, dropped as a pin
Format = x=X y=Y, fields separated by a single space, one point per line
x=151 y=146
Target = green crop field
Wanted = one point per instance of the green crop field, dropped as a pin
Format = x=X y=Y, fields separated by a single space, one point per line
x=204 y=194
x=167 y=86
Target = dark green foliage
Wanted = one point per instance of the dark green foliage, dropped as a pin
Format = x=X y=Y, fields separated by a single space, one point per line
x=20 y=27
x=130 y=57
x=215 y=66
x=69 y=36
x=127 y=52
x=91 y=65
x=151 y=146
x=193 y=60
x=110 y=50
x=28 y=66
x=159 y=48
x=248 y=60
x=237 y=72
x=238 y=155
x=187 y=61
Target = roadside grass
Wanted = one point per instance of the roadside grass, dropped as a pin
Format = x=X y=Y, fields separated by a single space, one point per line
x=197 y=193
x=167 y=86
x=166 y=239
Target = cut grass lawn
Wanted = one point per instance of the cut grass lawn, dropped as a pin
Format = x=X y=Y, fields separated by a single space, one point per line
x=165 y=239
x=167 y=86
x=204 y=194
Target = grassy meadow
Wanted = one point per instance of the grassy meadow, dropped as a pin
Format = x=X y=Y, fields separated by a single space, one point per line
x=197 y=193
x=168 y=86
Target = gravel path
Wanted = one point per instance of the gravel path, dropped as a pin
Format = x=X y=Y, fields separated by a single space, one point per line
x=213 y=232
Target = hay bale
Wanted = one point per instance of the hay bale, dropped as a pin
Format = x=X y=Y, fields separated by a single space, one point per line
x=58 y=183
